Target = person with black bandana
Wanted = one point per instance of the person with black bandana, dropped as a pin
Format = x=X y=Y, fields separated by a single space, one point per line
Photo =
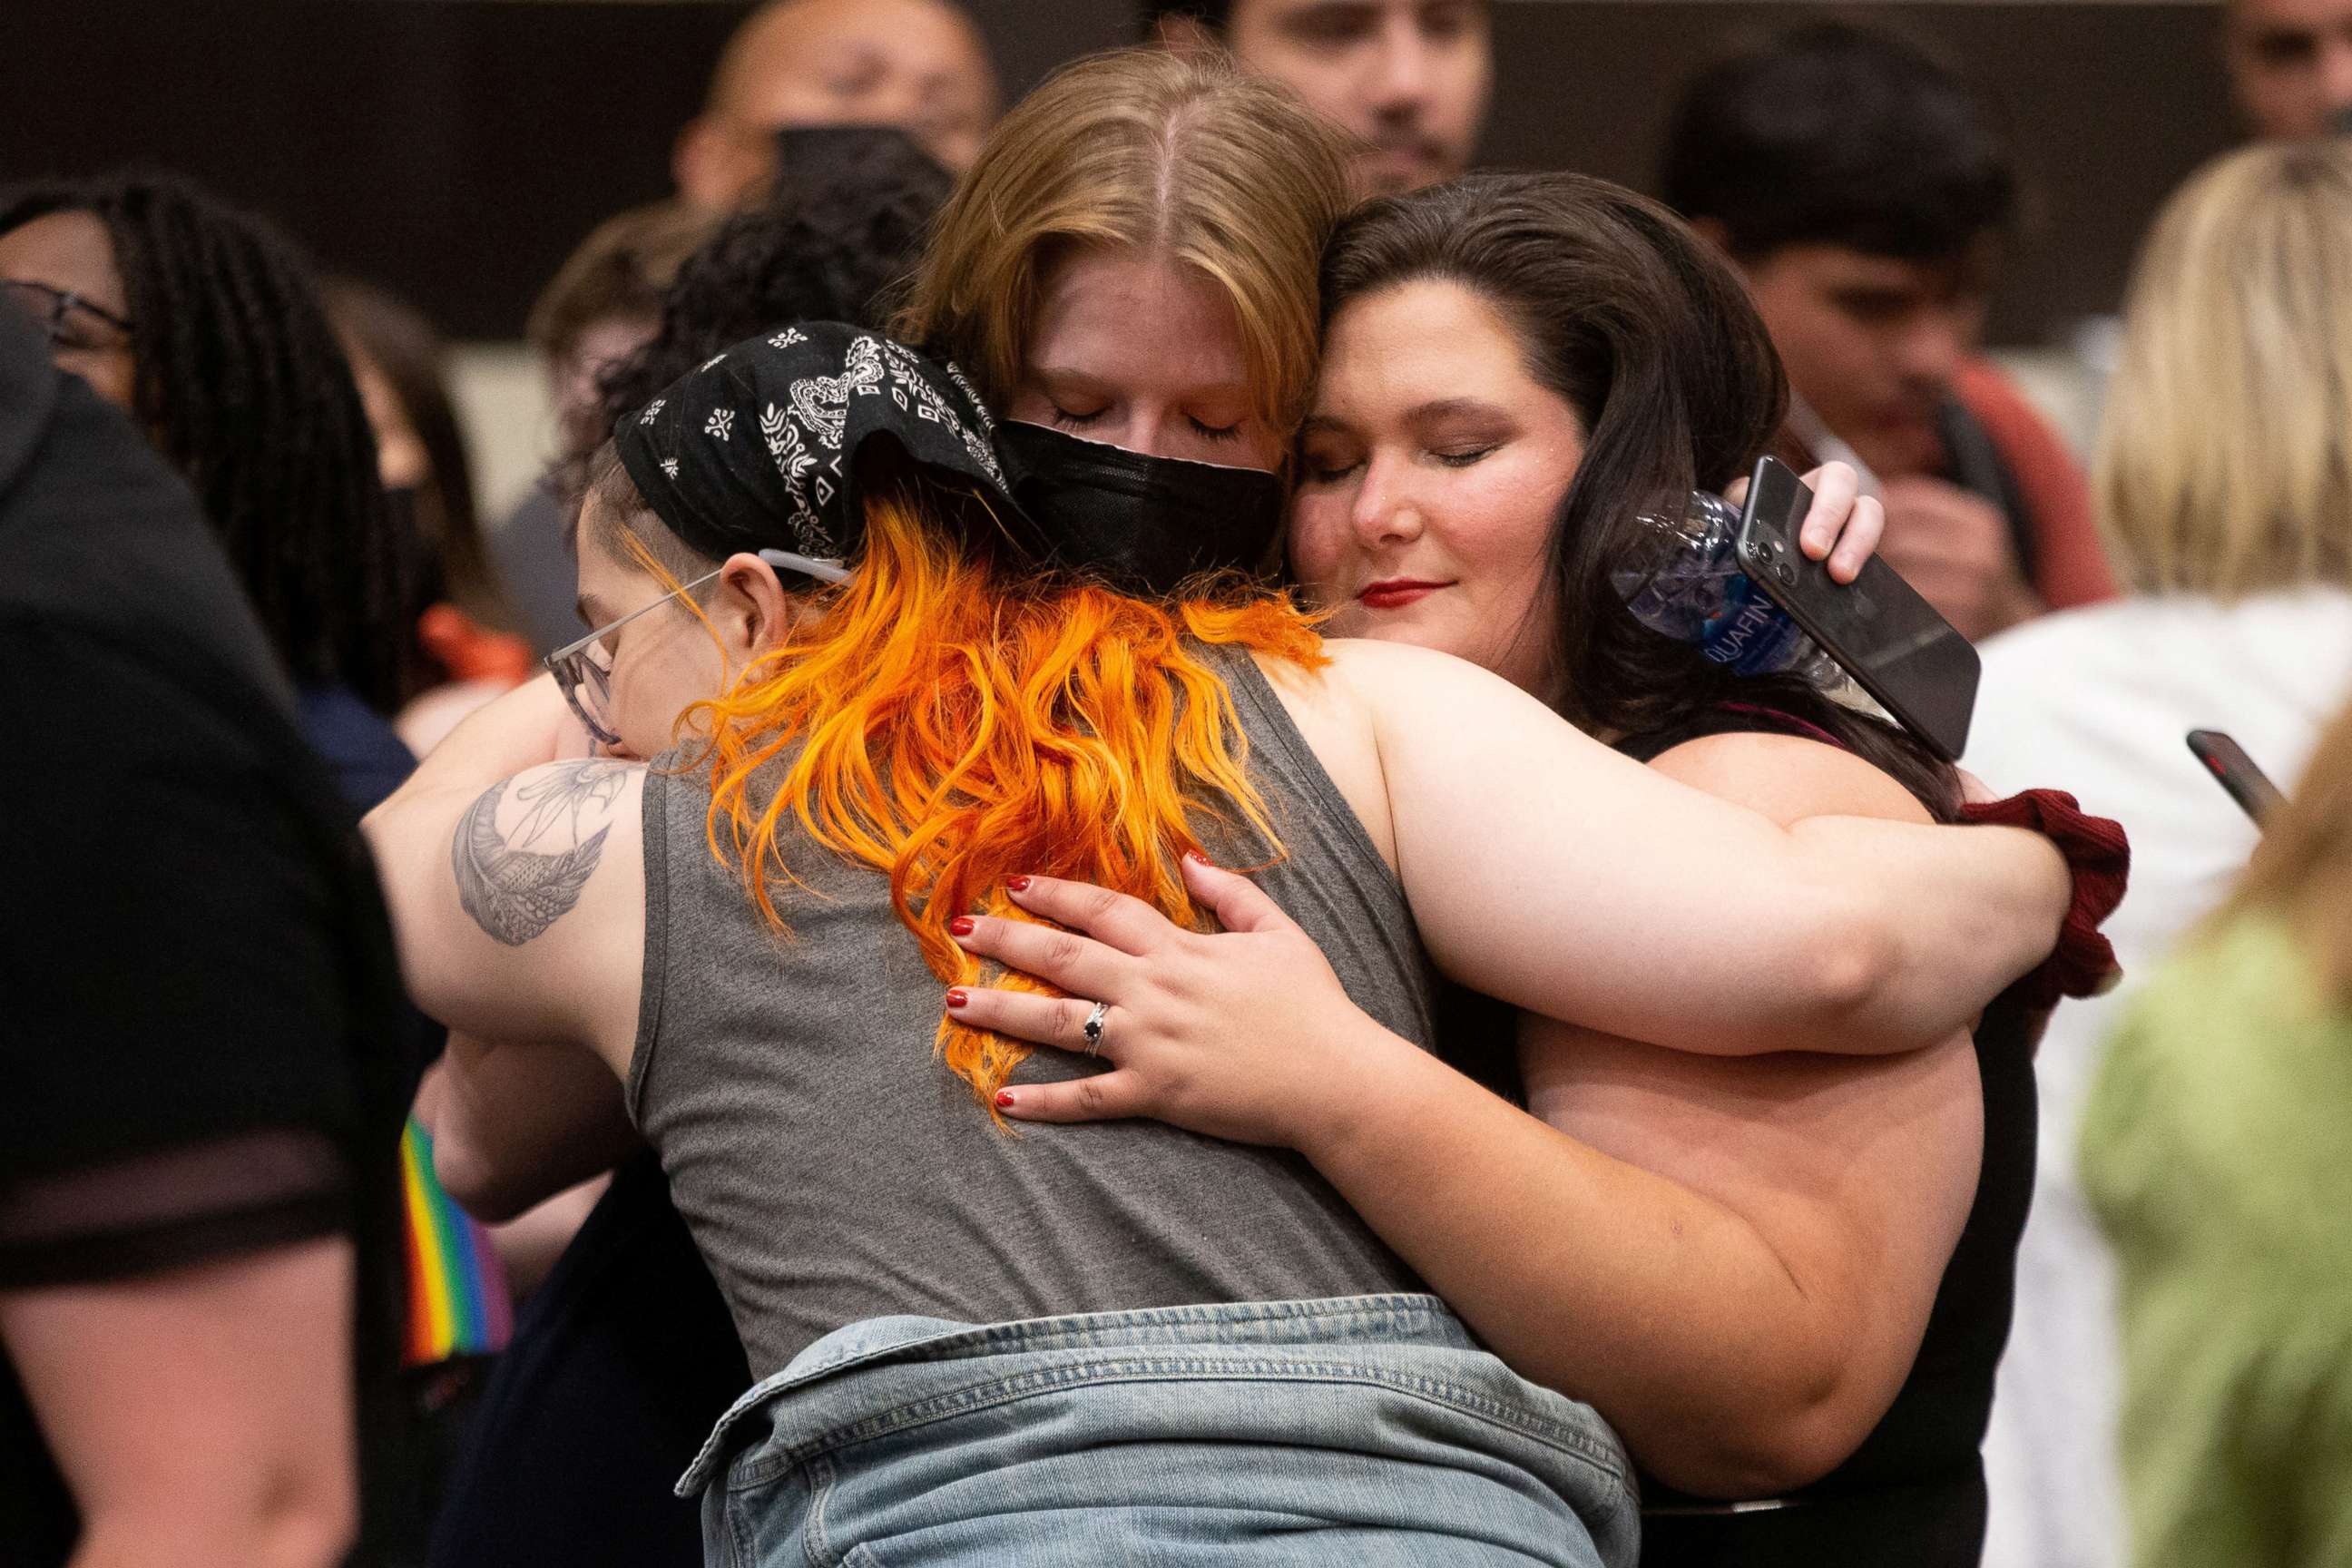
x=624 y=1356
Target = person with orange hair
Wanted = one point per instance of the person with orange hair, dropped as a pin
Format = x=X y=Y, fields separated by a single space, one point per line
x=878 y=698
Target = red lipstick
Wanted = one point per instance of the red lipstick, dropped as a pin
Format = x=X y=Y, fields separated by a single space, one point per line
x=1395 y=593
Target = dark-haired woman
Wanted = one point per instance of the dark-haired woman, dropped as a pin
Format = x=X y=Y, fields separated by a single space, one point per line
x=204 y=325
x=1784 y=1277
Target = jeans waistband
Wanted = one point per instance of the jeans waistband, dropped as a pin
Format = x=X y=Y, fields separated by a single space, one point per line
x=1394 y=1323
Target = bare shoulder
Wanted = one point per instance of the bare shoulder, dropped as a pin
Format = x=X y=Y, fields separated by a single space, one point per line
x=538 y=930
x=1787 y=777
x=525 y=851
x=1397 y=688
x=1372 y=667
x=1332 y=709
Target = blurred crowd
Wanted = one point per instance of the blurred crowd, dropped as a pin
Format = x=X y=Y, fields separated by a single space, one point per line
x=256 y=1306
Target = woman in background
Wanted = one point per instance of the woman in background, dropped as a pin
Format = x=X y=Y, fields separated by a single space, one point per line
x=207 y=328
x=2216 y=1154
x=2224 y=484
x=462 y=619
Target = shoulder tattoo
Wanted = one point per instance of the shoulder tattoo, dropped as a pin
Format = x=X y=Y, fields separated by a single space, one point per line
x=518 y=882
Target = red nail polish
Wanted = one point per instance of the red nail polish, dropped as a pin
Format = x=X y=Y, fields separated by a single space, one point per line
x=1017 y=884
x=959 y=926
x=1196 y=854
x=956 y=997
x=1004 y=1100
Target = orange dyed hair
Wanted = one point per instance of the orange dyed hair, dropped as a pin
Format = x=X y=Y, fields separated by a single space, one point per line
x=953 y=720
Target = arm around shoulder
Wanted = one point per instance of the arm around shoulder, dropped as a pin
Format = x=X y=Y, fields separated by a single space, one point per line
x=1550 y=871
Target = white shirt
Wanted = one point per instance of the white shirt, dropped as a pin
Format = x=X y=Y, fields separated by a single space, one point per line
x=2098 y=701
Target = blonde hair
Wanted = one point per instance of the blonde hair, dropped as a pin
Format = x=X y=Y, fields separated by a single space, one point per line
x=1178 y=155
x=2226 y=463
x=2302 y=871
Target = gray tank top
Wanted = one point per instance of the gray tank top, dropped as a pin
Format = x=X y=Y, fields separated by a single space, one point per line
x=832 y=1169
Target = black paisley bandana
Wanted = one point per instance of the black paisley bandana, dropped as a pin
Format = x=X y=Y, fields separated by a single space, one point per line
x=755 y=450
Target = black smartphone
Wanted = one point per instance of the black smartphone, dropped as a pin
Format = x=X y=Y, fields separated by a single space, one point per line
x=2228 y=763
x=1912 y=660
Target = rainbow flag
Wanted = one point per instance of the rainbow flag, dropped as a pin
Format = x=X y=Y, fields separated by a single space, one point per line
x=457 y=1299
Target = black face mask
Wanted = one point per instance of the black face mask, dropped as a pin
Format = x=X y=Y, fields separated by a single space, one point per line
x=1142 y=524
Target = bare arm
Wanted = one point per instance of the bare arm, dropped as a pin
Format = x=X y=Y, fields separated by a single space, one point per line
x=516 y=885
x=1519 y=841
x=1732 y=1258
x=514 y=1124
x=204 y=1415
x=516 y=881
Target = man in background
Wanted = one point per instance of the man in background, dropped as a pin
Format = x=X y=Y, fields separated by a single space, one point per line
x=920 y=64
x=2291 y=66
x=1864 y=192
x=1409 y=78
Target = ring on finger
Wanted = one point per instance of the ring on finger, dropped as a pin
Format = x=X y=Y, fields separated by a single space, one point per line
x=1093 y=1028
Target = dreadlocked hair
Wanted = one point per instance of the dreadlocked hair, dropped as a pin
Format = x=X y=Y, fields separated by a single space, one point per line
x=242 y=383
x=950 y=717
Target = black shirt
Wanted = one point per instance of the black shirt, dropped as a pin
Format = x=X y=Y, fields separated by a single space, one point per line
x=1914 y=1493
x=201 y=1049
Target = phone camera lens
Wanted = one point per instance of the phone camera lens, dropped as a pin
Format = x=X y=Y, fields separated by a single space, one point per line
x=1764 y=551
x=1786 y=573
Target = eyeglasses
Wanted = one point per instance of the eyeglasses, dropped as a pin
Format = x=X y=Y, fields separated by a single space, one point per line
x=587 y=680
x=57 y=311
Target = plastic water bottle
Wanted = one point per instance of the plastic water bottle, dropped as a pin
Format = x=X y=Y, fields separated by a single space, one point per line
x=1683 y=578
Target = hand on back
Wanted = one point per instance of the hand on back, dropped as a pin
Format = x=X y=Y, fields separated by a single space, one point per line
x=1242 y=1033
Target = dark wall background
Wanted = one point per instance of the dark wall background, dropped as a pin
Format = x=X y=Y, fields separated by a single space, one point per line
x=455 y=150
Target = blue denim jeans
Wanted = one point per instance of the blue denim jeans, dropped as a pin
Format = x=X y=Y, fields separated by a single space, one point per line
x=1363 y=1432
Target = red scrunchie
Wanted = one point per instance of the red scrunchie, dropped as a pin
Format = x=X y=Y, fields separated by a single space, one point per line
x=2099 y=855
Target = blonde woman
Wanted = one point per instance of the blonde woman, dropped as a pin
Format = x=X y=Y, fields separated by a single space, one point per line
x=2224 y=478
x=2217 y=1156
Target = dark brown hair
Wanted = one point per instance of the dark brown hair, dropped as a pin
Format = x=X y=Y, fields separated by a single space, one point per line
x=1835 y=134
x=619 y=270
x=393 y=335
x=1641 y=327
